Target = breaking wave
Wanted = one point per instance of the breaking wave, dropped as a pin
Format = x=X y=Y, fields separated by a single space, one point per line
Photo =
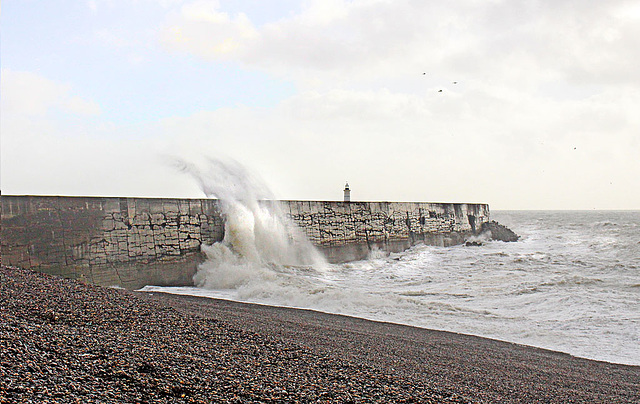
x=260 y=243
x=567 y=285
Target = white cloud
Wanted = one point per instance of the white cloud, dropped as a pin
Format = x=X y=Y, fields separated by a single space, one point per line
x=340 y=42
x=81 y=106
x=480 y=146
x=54 y=142
x=502 y=149
x=543 y=114
x=204 y=30
x=29 y=94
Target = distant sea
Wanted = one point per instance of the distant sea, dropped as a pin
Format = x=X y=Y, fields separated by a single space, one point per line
x=571 y=284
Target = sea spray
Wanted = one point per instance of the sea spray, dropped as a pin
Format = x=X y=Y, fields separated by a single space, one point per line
x=260 y=243
x=570 y=284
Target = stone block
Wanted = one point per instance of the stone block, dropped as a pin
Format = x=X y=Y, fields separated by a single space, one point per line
x=111 y=205
x=157 y=219
x=140 y=219
x=195 y=207
x=183 y=206
x=170 y=207
x=108 y=224
x=142 y=205
x=156 y=206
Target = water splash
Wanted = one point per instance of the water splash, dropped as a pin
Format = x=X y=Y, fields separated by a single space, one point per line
x=259 y=240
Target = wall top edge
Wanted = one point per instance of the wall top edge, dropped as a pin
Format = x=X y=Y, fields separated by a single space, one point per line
x=205 y=199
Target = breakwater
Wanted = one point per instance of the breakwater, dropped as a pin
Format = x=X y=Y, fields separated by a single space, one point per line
x=131 y=242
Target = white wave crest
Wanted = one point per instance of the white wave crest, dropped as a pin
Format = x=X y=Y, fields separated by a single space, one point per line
x=259 y=239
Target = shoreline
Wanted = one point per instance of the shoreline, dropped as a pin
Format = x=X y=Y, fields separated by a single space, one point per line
x=62 y=340
x=391 y=323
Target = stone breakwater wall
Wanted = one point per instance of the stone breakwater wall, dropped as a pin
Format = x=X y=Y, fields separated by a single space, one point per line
x=132 y=242
x=348 y=231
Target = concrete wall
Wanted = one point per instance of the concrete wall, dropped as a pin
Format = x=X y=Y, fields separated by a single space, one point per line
x=131 y=242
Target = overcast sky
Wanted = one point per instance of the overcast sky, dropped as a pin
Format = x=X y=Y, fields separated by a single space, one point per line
x=519 y=104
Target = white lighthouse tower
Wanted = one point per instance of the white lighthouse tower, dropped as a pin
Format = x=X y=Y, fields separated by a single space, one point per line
x=347 y=193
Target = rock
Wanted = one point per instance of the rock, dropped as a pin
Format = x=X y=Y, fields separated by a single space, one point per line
x=495 y=231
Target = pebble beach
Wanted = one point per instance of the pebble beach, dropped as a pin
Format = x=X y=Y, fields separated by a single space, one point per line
x=62 y=341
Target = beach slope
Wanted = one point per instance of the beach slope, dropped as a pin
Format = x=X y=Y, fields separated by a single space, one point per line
x=64 y=341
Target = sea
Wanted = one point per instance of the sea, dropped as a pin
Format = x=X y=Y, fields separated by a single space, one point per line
x=570 y=284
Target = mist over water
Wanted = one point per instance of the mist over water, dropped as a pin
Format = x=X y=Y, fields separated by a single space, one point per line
x=571 y=284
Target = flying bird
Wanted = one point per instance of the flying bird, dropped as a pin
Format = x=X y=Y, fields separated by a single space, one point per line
x=439 y=91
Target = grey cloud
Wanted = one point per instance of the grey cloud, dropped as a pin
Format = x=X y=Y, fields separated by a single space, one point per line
x=581 y=42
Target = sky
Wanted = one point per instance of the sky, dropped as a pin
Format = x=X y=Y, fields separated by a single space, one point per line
x=518 y=104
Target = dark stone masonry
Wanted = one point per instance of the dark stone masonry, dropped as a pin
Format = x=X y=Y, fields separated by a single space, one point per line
x=131 y=242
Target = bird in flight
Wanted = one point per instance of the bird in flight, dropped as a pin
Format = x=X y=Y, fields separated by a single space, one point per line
x=453 y=82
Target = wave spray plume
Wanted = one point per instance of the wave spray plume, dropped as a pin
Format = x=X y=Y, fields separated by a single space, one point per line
x=259 y=240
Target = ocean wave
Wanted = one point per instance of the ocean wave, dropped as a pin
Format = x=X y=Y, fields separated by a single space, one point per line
x=564 y=286
x=526 y=291
x=496 y=254
x=605 y=224
x=421 y=293
x=572 y=281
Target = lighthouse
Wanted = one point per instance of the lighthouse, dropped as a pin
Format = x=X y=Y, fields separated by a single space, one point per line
x=347 y=193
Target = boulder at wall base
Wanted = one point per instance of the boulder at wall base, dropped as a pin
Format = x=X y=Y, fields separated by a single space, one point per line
x=498 y=231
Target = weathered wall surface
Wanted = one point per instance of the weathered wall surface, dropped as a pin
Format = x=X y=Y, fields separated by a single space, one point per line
x=127 y=242
x=131 y=242
x=347 y=231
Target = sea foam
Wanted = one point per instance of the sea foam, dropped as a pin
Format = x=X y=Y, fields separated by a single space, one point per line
x=570 y=284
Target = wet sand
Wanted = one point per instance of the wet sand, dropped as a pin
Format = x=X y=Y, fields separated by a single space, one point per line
x=63 y=341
